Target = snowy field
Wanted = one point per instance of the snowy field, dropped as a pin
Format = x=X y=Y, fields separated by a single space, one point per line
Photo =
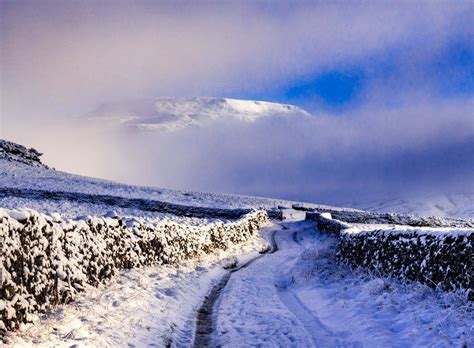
x=453 y=205
x=18 y=175
x=22 y=176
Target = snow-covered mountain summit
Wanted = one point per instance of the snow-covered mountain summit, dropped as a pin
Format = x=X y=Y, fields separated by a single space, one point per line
x=177 y=113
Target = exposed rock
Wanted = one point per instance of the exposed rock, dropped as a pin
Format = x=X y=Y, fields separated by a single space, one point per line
x=16 y=152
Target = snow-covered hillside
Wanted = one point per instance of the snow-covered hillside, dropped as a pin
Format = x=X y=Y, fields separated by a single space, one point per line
x=452 y=205
x=19 y=170
x=300 y=294
x=20 y=185
x=176 y=113
x=34 y=185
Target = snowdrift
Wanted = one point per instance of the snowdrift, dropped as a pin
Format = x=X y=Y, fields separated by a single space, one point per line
x=46 y=261
x=438 y=257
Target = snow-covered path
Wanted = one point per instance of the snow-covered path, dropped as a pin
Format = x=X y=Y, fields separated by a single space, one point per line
x=300 y=297
x=258 y=306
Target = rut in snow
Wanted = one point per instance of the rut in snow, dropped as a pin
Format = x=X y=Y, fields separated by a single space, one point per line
x=320 y=334
x=205 y=317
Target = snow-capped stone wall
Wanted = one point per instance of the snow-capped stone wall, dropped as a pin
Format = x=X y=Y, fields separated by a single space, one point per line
x=46 y=261
x=326 y=223
x=438 y=257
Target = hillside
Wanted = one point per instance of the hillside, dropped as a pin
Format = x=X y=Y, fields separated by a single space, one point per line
x=453 y=205
x=158 y=264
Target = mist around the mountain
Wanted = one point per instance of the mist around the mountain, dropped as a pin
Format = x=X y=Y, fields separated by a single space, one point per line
x=376 y=152
x=324 y=159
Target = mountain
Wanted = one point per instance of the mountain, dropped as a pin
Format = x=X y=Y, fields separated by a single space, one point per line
x=175 y=113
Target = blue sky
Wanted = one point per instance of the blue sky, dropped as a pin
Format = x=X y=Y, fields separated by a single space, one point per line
x=446 y=73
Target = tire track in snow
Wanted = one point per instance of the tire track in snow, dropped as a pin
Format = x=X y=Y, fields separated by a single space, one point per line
x=320 y=334
x=206 y=319
x=295 y=237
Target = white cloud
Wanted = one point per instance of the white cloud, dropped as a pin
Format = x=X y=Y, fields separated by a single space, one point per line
x=63 y=56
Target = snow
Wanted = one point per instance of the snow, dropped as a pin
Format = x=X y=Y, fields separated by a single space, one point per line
x=297 y=296
x=453 y=205
x=90 y=250
x=18 y=215
x=404 y=230
x=19 y=153
x=170 y=114
x=21 y=176
x=326 y=215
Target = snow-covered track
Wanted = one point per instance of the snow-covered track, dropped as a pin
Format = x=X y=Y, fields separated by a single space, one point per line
x=205 y=315
x=302 y=297
x=254 y=309
x=321 y=335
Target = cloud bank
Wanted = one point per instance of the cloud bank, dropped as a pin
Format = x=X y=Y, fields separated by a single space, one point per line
x=329 y=159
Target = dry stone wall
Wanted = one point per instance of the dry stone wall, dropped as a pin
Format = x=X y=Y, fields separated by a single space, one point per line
x=45 y=261
x=438 y=257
